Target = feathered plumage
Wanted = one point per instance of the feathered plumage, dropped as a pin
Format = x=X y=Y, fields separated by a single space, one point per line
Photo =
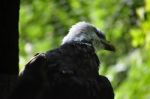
x=68 y=72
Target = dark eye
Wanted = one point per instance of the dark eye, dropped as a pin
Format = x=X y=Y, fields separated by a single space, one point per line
x=100 y=34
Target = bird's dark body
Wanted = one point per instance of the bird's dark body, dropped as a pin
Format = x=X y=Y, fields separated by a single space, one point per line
x=68 y=72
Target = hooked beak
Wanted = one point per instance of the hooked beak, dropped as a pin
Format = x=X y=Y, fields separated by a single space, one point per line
x=108 y=46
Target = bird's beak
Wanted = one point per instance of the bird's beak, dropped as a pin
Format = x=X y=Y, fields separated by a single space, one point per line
x=107 y=45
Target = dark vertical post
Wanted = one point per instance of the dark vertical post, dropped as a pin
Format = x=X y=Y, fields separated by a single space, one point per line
x=9 y=17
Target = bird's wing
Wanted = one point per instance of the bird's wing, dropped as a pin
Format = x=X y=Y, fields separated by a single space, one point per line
x=105 y=87
x=35 y=67
x=30 y=82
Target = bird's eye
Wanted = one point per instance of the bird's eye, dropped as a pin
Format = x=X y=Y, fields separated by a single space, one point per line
x=100 y=34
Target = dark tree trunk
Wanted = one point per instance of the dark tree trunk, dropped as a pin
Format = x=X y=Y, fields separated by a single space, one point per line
x=9 y=16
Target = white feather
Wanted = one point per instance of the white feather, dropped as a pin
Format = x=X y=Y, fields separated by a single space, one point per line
x=80 y=31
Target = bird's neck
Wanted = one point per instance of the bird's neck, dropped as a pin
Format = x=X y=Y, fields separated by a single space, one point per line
x=82 y=42
x=88 y=43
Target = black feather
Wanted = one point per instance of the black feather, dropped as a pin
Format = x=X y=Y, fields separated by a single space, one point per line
x=68 y=72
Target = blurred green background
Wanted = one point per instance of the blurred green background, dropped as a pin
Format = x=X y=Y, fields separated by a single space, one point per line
x=126 y=23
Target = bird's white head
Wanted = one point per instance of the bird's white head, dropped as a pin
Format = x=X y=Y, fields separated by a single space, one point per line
x=87 y=33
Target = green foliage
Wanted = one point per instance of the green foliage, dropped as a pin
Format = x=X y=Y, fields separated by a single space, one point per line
x=43 y=24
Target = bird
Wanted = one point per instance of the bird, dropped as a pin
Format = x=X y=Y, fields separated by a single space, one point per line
x=69 y=71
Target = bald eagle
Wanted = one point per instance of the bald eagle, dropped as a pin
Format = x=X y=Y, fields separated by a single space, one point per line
x=67 y=72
